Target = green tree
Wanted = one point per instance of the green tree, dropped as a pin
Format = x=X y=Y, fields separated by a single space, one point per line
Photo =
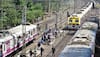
x=12 y=16
x=13 y=11
x=34 y=12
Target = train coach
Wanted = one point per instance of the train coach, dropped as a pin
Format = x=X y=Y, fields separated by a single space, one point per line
x=14 y=38
x=74 y=21
x=82 y=43
x=76 y=51
x=92 y=23
x=85 y=37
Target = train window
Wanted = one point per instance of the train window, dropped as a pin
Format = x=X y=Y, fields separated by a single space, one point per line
x=24 y=35
x=70 y=20
x=82 y=43
x=15 y=42
x=0 y=48
x=4 y=47
x=0 y=35
x=31 y=32
x=28 y=32
x=33 y=29
x=77 y=24
x=77 y=37
x=85 y=38
x=76 y=20
x=11 y=43
x=79 y=12
x=19 y=37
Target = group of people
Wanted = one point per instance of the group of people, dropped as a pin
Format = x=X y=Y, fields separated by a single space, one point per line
x=41 y=52
x=46 y=37
x=35 y=52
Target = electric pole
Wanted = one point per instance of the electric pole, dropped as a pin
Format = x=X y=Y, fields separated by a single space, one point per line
x=57 y=10
x=24 y=28
x=49 y=6
x=74 y=6
x=1 y=13
x=45 y=14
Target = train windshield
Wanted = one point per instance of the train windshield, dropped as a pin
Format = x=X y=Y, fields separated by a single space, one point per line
x=77 y=20
x=70 y=20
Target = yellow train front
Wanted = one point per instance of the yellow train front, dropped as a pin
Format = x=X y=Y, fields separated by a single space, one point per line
x=73 y=23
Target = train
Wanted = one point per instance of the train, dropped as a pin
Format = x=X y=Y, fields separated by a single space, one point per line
x=82 y=44
x=12 y=39
x=75 y=20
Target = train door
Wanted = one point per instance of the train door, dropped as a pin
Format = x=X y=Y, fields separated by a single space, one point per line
x=31 y=33
x=34 y=32
x=7 y=44
x=26 y=36
x=12 y=44
x=20 y=41
x=1 y=54
x=4 y=48
x=93 y=6
x=15 y=41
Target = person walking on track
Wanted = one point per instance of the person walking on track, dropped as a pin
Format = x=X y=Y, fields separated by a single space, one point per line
x=41 y=50
x=31 y=53
x=53 y=51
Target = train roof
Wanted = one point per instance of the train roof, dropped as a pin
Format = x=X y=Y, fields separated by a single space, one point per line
x=84 y=33
x=5 y=38
x=94 y=19
x=4 y=35
x=80 y=43
x=90 y=26
x=7 y=34
x=18 y=29
x=74 y=15
x=83 y=11
x=76 y=52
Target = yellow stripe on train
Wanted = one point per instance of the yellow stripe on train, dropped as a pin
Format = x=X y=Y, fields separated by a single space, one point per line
x=74 y=20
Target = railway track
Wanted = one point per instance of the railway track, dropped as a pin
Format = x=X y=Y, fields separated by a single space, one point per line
x=60 y=46
x=62 y=43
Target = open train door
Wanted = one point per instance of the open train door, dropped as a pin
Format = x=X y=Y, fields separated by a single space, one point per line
x=94 y=3
x=93 y=6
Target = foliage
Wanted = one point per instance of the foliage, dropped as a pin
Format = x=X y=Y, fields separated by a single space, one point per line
x=34 y=12
x=11 y=12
